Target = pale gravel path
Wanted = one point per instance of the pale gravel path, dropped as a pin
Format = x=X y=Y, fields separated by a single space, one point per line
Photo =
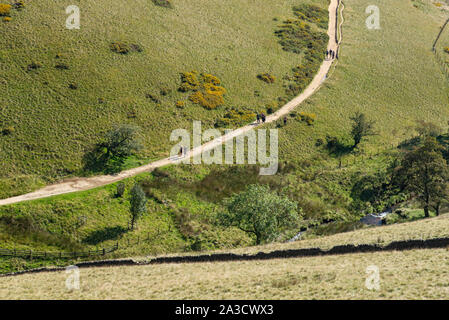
x=81 y=184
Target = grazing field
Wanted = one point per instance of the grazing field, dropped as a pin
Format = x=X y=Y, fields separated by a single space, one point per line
x=418 y=274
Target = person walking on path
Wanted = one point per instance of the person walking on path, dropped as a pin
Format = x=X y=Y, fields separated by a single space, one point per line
x=333 y=55
x=263 y=118
x=327 y=54
x=285 y=121
x=258 y=118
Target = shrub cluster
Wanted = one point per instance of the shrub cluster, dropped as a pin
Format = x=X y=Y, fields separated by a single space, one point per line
x=7 y=131
x=153 y=97
x=5 y=9
x=298 y=36
x=446 y=49
x=34 y=66
x=119 y=47
x=308 y=118
x=180 y=104
x=206 y=88
x=163 y=3
x=62 y=66
x=266 y=77
x=19 y=5
x=313 y=14
x=124 y=48
x=235 y=117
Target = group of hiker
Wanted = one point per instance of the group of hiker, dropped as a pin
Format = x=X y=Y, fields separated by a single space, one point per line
x=261 y=117
x=331 y=54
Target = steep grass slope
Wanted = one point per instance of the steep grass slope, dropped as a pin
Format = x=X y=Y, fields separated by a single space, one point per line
x=61 y=89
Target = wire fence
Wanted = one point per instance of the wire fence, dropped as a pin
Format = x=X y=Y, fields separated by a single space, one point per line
x=30 y=254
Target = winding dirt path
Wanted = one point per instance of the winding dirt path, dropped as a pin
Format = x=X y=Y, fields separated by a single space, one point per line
x=81 y=184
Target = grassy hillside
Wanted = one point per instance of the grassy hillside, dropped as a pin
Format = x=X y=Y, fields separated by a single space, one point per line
x=390 y=74
x=62 y=89
x=414 y=274
x=394 y=79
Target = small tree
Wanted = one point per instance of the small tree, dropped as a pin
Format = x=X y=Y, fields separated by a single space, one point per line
x=361 y=128
x=120 y=190
x=425 y=173
x=120 y=142
x=259 y=212
x=138 y=203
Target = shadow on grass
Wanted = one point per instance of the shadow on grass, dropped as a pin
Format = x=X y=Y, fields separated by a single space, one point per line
x=96 y=161
x=338 y=148
x=108 y=233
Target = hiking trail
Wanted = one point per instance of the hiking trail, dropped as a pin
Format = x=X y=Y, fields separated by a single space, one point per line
x=82 y=184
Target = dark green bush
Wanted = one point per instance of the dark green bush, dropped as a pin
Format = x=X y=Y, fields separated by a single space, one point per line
x=62 y=66
x=163 y=3
x=8 y=131
x=34 y=66
x=120 y=190
x=120 y=47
